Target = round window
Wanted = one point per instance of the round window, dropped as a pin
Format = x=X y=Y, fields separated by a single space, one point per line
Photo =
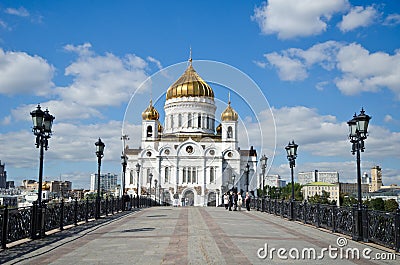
x=212 y=152
x=148 y=153
x=189 y=149
x=166 y=152
x=230 y=154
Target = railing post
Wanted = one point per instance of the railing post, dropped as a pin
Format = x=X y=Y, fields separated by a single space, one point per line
x=357 y=223
x=276 y=206
x=107 y=205
x=4 y=229
x=76 y=212
x=334 y=218
x=62 y=215
x=112 y=205
x=87 y=210
x=317 y=215
x=34 y=218
x=365 y=223
x=397 y=230
x=305 y=212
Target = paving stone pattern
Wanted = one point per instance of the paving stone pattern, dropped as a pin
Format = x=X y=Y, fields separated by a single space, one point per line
x=185 y=235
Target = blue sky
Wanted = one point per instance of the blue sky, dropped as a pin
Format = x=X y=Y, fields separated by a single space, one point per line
x=316 y=62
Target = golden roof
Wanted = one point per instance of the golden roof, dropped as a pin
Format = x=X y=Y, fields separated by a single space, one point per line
x=190 y=84
x=229 y=114
x=160 y=128
x=150 y=114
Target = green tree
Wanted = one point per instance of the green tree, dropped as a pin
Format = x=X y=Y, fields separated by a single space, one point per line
x=391 y=205
x=347 y=200
x=286 y=192
x=377 y=204
x=322 y=199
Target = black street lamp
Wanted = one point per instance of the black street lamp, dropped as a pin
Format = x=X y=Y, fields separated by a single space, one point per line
x=124 y=162
x=263 y=161
x=233 y=182
x=358 y=132
x=291 y=150
x=151 y=179
x=217 y=197
x=159 y=193
x=247 y=171
x=99 y=153
x=42 y=124
x=137 y=184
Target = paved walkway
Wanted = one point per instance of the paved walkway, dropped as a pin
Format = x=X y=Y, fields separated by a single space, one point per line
x=192 y=235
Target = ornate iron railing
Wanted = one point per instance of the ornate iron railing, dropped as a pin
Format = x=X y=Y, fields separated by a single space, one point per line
x=33 y=222
x=379 y=227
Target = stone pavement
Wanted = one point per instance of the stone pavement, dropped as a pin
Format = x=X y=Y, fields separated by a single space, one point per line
x=193 y=235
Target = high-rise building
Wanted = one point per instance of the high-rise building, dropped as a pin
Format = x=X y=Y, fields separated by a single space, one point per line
x=192 y=159
x=317 y=176
x=3 y=176
x=273 y=181
x=108 y=182
x=376 y=179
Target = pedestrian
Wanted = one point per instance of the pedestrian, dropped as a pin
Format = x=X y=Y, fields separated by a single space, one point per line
x=240 y=201
x=226 y=200
x=247 y=201
x=235 y=200
x=230 y=200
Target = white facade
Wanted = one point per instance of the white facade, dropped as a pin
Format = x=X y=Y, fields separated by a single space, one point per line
x=192 y=160
x=317 y=176
x=108 y=182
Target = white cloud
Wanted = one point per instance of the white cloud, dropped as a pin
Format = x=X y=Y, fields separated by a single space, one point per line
x=361 y=71
x=292 y=64
x=388 y=118
x=294 y=18
x=21 y=12
x=3 y=24
x=392 y=20
x=155 y=61
x=21 y=73
x=102 y=80
x=358 y=17
x=289 y=69
x=365 y=71
x=324 y=138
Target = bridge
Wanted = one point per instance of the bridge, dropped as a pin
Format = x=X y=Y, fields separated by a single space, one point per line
x=196 y=235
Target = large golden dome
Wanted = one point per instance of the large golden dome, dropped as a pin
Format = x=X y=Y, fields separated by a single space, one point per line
x=150 y=114
x=190 y=84
x=229 y=114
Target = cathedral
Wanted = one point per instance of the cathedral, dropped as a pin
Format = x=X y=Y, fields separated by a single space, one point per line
x=188 y=159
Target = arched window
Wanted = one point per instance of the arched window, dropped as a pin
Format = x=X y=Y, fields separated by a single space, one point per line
x=199 y=121
x=184 y=175
x=230 y=132
x=190 y=120
x=194 y=175
x=172 y=121
x=212 y=174
x=179 y=120
x=166 y=175
x=149 y=131
x=131 y=177
x=208 y=123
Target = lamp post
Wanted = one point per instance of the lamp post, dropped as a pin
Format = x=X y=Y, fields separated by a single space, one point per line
x=217 y=197
x=233 y=182
x=42 y=124
x=151 y=178
x=137 y=184
x=124 y=162
x=155 y=190
x=263 y=161
x=358 y=132
x=159 y=193
x=291 y=150
x=99 y=153
x=247 y=171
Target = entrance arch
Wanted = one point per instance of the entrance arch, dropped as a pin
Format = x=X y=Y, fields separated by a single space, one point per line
x=212 y=199
x=188 y=198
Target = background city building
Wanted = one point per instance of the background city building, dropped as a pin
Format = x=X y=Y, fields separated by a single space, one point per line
x=3 y=176
x=108 y=182
x=317 y=176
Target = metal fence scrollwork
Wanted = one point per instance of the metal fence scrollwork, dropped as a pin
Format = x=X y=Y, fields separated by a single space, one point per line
x=378 y=227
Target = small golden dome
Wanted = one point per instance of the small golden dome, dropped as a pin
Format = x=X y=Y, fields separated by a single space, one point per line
x=45 y=186
x=160 y=128
x=190 y=84
x=150 y=114
x=219 y=129
x=229 y=114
